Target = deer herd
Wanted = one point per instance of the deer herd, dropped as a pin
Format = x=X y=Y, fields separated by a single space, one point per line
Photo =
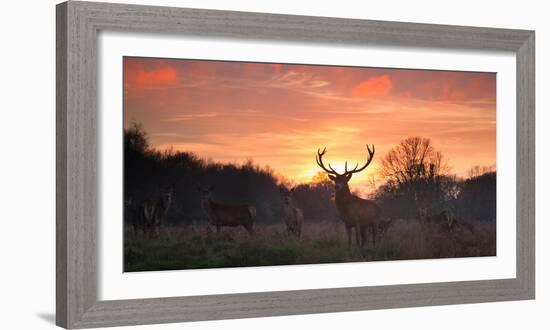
x=358 y=215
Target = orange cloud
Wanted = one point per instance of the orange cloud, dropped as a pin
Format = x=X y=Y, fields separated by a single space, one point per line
x=374 y=86
x=158 y=76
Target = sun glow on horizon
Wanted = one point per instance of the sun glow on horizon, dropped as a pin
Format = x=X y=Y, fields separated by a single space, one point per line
x=278 y=115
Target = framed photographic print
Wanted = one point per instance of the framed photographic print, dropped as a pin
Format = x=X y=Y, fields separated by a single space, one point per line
x=279 y=152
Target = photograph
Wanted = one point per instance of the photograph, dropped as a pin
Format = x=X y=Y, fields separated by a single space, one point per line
x=247 y=164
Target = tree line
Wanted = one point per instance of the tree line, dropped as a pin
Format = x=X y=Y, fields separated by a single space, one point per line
x=416 y=176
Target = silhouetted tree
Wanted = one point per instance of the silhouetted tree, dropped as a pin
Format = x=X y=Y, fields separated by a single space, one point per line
x=413 y=160
x=415 y=173
x=136 y=139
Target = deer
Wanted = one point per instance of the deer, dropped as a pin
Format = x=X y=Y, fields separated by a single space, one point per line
x=226 y=215
x=445 y=220
x=441 y=218
x=149 y=215
x=158 y=211
x=293 y=216
x=356 y=213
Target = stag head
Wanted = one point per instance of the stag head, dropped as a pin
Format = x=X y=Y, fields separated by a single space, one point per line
x=341 y=180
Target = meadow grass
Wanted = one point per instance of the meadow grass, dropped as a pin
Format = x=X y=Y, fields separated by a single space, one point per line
x=195 y=247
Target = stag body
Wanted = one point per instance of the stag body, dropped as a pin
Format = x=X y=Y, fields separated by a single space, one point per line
x=356 y=213
x=293 y=216
x=228 y=215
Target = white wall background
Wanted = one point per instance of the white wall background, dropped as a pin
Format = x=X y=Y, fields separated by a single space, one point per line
x=27 y=166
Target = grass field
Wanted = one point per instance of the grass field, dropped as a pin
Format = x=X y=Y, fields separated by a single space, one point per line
x=194 y=247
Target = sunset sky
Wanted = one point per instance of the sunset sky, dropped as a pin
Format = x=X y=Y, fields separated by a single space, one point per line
x=279 y=114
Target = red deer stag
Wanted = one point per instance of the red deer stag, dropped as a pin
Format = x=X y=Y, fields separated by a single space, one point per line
x=355 y=212
x=294 y=218
x=228 y=215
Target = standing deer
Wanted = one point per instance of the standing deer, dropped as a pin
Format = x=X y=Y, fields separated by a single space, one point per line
x=293 y=216
x=159 y=211
x=229 y=215
x=149 y=215
x=355 y=212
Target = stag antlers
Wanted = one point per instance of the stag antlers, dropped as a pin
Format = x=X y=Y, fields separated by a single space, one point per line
x=330 y=170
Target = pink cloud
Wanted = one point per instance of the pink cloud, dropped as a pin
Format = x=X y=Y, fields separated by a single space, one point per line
x=157 y=76
x=373 y=86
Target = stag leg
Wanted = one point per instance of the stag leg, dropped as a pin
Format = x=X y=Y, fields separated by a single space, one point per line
x=295 y=230
x=249 y=229
x=363 y=235
x=348 y=231
x=358 y=235
x=208 y=230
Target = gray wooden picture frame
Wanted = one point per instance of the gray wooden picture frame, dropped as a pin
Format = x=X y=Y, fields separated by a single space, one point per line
x=78 y=24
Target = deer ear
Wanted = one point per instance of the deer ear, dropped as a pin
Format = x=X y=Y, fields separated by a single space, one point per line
x=332 y=177
x=292 y=190
x=348 y=177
